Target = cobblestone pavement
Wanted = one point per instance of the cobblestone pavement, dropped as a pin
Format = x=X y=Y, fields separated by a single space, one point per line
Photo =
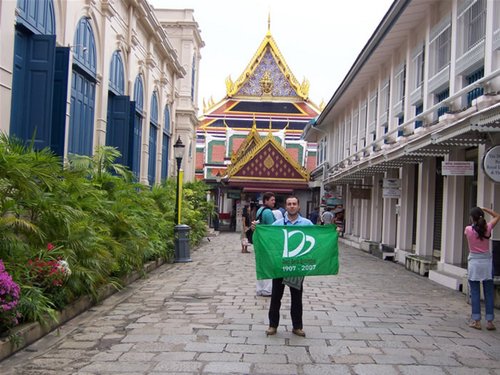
x=204 y=318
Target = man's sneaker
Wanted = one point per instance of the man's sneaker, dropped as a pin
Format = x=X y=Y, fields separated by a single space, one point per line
x=299 y=332
x=271 y=331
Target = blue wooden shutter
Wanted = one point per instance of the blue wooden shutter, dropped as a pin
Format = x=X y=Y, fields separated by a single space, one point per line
x=32 y=100
x=118 y=131
x=59 y=100
x=153 y=137
x=164 y=157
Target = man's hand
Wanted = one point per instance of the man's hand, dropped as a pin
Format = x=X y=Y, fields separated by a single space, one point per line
x=254 y=224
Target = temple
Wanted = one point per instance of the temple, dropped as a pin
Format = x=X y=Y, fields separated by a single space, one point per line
x=250 y=141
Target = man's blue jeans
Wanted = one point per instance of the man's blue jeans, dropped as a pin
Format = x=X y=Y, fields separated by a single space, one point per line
x=475 y=299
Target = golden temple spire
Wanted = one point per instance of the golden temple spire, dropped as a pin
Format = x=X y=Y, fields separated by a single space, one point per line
x=269 y=23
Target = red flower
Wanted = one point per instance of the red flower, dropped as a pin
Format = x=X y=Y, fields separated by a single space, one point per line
x=50 y=246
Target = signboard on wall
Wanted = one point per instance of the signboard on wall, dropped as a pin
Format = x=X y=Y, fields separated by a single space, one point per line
x=391 y=193
x=392 y=183
x=360 y=193
x=457 y=168
x=491 y=163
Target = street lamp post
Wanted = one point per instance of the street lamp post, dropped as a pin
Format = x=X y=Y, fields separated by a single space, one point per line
x=181 y=231
x=218 y=179
x=178 y=153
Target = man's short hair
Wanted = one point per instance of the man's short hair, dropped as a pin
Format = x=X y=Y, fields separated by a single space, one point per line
x=267 y=195
x=293 y=197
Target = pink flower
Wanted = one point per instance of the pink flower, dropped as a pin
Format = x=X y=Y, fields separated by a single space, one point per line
x=50 y=246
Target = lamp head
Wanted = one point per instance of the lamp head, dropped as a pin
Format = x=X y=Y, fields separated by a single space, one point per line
x=179 y=149
x=218 y=177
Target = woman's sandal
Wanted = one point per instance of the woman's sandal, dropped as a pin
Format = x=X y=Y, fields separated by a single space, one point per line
x=490 y=326
x=476 y=324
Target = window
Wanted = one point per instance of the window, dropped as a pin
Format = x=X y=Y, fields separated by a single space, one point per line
x=399 y=89
x=384 y=103
x=372 y=111
x=440 y=97
x=153 y=137
x=478 y=91
x=362 y=123
x=165 y=144
x=472 y=24
x=440 y=47
x=137 y=131
x=418 y=68
x=418 y=110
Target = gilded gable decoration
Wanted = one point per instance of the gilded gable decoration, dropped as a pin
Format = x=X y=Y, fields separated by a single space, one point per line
x=267 y=74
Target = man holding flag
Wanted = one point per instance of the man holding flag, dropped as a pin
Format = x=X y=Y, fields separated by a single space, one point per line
x=287 y=251
x=292 y=217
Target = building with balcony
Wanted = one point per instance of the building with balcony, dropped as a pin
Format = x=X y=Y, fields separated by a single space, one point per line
x=407 y=140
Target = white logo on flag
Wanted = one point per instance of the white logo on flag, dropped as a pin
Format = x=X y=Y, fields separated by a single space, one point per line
x=299 y=250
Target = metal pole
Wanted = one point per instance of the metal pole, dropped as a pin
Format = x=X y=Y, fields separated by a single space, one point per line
x=176 y=220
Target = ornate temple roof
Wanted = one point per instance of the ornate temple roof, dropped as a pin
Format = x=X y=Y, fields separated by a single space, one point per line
x=263 y=160
x=265 y=99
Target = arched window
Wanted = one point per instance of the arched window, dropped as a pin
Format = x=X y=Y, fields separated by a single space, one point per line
x=165 y=146
x=153 y=138
x=137 y=133
x=118 y=125
x=116 y=74
x=83 y=85
x=37 y=15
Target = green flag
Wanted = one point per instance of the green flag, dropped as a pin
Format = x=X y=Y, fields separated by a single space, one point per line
x=289 y=250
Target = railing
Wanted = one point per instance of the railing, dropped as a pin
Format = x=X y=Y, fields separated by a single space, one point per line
x=391 y=136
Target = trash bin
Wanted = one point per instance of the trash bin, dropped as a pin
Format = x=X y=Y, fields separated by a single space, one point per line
x=181 y=237
x=495 y=244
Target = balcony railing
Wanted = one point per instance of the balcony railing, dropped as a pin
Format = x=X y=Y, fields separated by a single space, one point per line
x=391 y=136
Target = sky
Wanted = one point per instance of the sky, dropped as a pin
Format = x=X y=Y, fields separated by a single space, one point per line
x=319 y=39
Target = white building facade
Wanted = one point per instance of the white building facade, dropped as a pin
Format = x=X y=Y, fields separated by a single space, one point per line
x=75 y=75
x=403 y=138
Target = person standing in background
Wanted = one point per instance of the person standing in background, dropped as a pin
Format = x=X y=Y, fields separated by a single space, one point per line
x=480 y=265
x=327 y=217
x=245 y=225
x=265 y=216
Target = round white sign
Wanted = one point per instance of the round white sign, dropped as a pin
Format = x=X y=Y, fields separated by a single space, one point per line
x=491 y=163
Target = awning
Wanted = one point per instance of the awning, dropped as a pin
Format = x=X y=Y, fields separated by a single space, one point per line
x=262 y=190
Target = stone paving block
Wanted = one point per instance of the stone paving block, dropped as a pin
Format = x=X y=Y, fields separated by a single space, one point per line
x=360 y=336
x=393 y=359
x=265 y=358
x=274 y=369
x=324 y=354
x=352 y=359
x=106 y=356
x=77 y=344
x=136 y=357
x=437 y=360
x=264 y=340
x=117 y=367
x=421 y=370
x=227 y=368
x=204 y=347
x=375 y=370
x=140 y=338
x=174 y=356
x=220 y=357
x=177 y=366
x=240 y=348
x=470 y=371
x=121 y=347
x=325 y=370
